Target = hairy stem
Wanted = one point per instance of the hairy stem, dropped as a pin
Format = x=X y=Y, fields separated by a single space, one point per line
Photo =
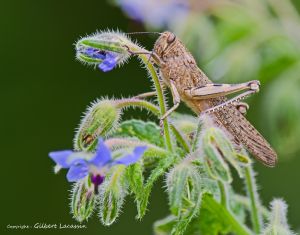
x=180 y=138
x=223 y=194
x=138 y=103
x=254 y=200
x=197 y=135
x=246 y=203
x=160 y=96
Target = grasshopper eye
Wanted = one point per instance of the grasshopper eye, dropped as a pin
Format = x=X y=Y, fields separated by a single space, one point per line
x=171 y=38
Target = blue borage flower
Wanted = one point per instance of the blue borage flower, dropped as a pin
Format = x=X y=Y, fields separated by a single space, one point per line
x=82 y=164
x=109 y=59
x=155 y=12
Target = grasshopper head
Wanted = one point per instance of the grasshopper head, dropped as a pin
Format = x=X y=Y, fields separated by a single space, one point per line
x=164 y=42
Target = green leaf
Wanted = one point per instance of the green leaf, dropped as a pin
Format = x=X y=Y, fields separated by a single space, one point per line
x=157 y=172
x=210 y=186
x=187 y=124
x=209 y=223
x=206 y=222
x=165 y=225
x=215 y=219
x=176 y=185
x=213 y=158
x=112 y=194
x=181 y=139
x=135 y=178
x=183 y=222
x=144 y=131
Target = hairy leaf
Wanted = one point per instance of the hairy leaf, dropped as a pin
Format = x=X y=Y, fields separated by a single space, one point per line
x=157 y=172
x=144 y=131
x=215 y=219
x=135 y=178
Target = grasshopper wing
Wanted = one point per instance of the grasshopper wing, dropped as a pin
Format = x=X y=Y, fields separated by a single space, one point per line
x=247 y=135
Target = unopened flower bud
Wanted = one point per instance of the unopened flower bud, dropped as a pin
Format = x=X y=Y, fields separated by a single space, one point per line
x=105 y=49
x=184 y=122
x=183 y=185
x=112 y=193
x=278 y=221
x=100 y=119
x=226 y=148
x=213 y=158
x=83 y=199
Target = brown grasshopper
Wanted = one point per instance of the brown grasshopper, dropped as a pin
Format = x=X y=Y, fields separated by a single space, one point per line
x=188 y=83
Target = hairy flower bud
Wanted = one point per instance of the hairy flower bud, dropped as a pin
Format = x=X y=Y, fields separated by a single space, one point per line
x=83 y=199
x=112 y=194
x=105 y=49
x=227 y=150
x=183 y=184
x=184 y=122
x=213 y=158
x=100 y=119
x=278 y=221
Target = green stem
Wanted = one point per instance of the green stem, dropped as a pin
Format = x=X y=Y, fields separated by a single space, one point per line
x=246 y=203
x=194 y=145
x=161 y=99
x=224 y=215
x=180 y=138
x=254 y=201
x=223 y=194
x=138 y=103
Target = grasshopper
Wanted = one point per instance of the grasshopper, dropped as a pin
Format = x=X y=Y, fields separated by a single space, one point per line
x=189 y=84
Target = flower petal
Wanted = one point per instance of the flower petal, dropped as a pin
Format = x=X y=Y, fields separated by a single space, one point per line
x=108 y=63
x=131 y=158
x=89 y=51
x=61 y=158
x=102 y=156
x=95 y=53
x=78 y=170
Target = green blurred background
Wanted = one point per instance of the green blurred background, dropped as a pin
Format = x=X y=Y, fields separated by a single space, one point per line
x=44 y=92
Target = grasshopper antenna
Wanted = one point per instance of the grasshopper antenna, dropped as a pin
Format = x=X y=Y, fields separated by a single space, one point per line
x=133 y=33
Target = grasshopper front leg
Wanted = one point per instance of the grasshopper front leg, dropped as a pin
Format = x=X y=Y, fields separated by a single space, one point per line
x=145 y=95
x=150 y=93
x=151 y=54
x=176 y=102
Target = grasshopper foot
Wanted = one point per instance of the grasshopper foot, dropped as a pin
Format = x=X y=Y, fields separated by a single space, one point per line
x=254 y=85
